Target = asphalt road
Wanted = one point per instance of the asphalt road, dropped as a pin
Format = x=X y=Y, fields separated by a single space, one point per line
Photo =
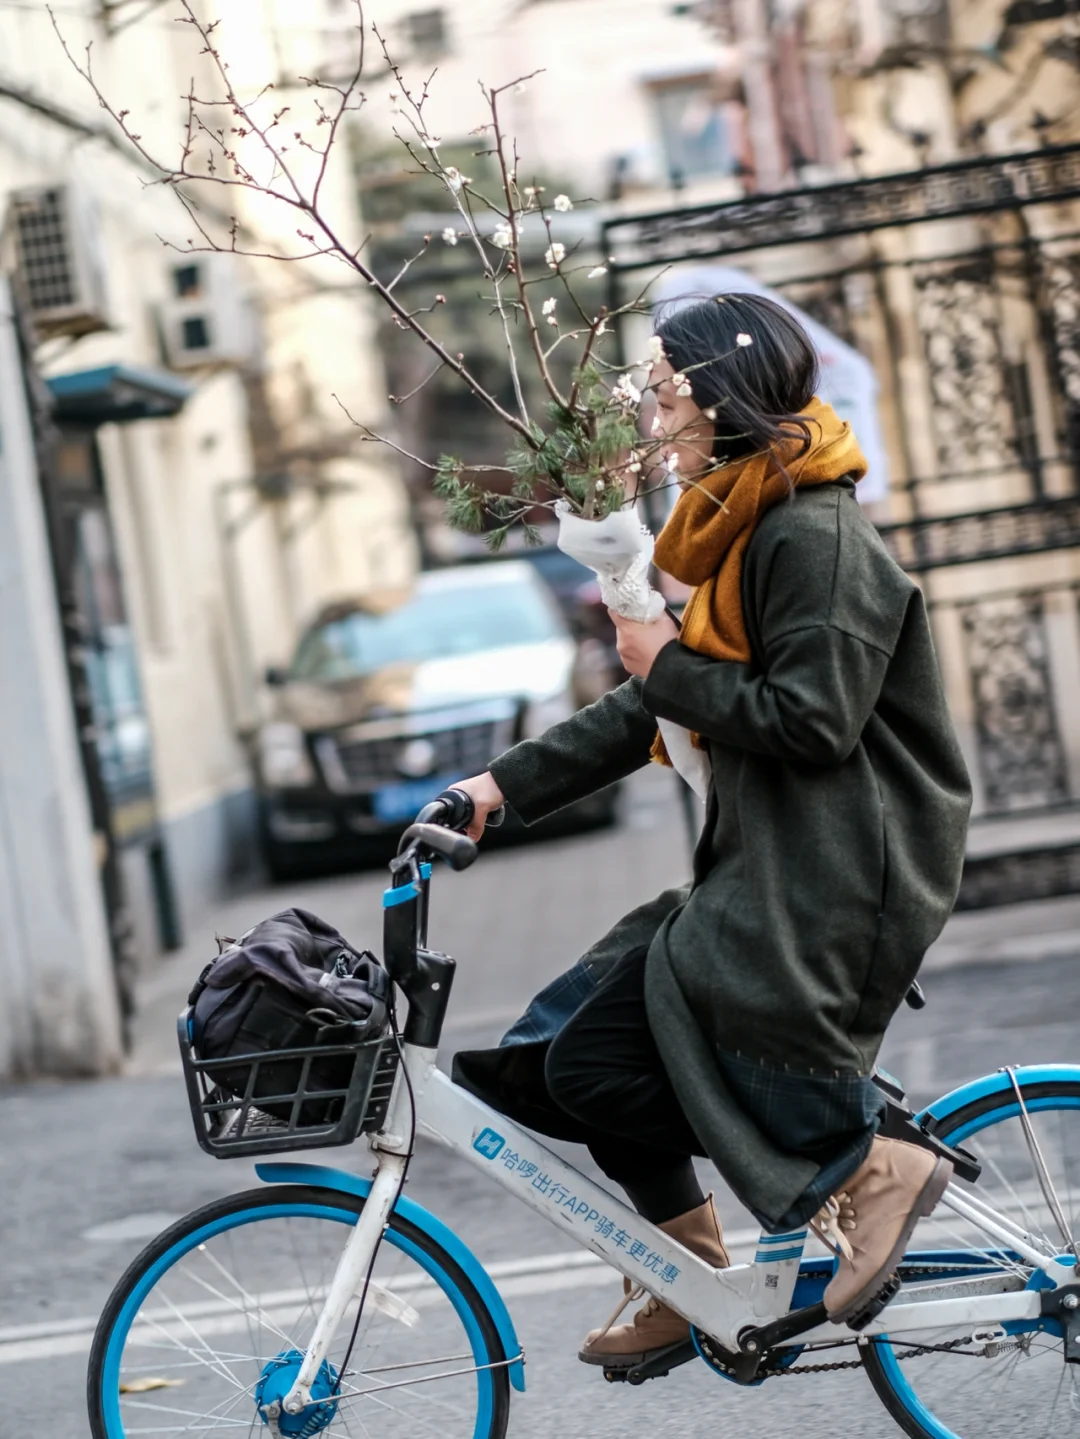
x=89 y=1171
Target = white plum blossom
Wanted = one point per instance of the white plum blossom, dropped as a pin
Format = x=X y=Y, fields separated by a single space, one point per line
x=555 y=254
x=744 y=340
x=626 y=392
x=549 y=305
x=449 y=235
x=672 y=463
x=563 y=203
x=502 y=235
x=597 y=271
x=635 y=463
x=455 y=179
x=531 y=191
x=710 y=413
x=657 y=428
x=656 y=349
x=684 y=390
x=601 y=328
x=599 y=486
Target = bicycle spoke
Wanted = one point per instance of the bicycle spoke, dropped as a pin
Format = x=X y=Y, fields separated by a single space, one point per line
x=1030 y=1223
x=255 y=1310
x=209 y=1358
x=260 y=1288
x=1012 y=1381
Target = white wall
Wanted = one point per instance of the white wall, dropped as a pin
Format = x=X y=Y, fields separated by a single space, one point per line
x=590 y=103
x=208 y=616
x=58 y=1003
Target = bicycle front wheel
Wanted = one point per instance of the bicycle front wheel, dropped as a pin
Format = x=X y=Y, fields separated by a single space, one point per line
x=1012 y=1382
x=209 y=1324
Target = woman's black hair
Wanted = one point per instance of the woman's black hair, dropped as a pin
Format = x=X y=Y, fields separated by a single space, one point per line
x=756 y=389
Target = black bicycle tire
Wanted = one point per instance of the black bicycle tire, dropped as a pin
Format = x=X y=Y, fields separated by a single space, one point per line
x=272 y=1195
x=875 y=1372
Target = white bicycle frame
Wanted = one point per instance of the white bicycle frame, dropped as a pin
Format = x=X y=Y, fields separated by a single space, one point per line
x=723 y=1303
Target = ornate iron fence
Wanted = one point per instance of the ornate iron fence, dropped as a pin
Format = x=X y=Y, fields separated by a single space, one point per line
x=962 y=285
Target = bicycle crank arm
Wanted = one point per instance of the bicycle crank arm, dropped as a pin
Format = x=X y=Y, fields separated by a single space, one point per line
x=789 y=1326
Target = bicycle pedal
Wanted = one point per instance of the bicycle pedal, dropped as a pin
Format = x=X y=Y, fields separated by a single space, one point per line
x=885 y=1295
x=660 y=1364
x=654 y=1366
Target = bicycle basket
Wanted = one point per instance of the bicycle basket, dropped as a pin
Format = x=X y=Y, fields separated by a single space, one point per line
x=280 y=1100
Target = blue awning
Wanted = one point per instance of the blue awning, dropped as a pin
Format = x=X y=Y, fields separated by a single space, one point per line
x=116 y=394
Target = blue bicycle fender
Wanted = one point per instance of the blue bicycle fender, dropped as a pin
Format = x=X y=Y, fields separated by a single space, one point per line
x=999 y=1083
x=435 y=1230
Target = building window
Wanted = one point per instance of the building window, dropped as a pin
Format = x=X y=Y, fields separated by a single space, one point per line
x=426 y=33
x=195 y=333
x=187 y=281
x=693 y=129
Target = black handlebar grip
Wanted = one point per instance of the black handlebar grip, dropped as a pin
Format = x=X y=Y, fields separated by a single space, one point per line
x=457 y=808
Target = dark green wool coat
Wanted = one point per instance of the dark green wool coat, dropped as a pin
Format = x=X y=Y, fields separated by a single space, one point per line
x=834 y=832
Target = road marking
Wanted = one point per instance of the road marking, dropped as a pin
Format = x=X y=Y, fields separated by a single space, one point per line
x=132 y=1226
x=516 y=1278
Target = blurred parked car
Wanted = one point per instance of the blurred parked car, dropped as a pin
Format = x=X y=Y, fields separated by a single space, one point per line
x=390 y=698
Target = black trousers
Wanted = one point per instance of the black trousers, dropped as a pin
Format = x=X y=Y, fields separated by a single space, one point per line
x=604 y=1069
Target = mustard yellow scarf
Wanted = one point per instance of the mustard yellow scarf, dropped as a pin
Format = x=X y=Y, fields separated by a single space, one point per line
x=705 y=539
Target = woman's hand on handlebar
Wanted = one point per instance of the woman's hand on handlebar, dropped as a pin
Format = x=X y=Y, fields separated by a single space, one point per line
x=485 y=795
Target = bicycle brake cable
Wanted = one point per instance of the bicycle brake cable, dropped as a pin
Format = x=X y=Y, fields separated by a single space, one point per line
x=392 y=1015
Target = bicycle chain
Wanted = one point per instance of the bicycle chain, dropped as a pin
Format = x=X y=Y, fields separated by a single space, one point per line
x=914 y=1272
x=909 y=1273
x=857 y=1363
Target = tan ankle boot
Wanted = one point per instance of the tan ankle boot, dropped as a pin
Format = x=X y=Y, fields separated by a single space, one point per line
x=872 y=1219
x=655 y=1325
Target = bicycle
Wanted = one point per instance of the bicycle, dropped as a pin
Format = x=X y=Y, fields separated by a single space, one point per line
x=329 y=1303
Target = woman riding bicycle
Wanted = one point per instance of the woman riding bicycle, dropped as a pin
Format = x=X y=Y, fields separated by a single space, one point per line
x=739 y=1017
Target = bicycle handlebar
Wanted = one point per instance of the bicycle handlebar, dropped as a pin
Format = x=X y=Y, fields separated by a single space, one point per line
x=457 y=849
x=454 y=809
x=438 y=827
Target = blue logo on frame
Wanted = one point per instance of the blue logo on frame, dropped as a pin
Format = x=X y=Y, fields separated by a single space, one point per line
x=489 y=1144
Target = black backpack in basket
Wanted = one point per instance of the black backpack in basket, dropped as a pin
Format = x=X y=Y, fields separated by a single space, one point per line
x=290 y=982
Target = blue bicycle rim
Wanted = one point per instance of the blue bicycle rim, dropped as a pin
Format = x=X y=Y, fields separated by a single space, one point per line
x=891 y=1368
x=110 y=1378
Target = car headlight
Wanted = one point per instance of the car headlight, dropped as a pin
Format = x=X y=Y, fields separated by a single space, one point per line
x=541 y=714
x=284 y=762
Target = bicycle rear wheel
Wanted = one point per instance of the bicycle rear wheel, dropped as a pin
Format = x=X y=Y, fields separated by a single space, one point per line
x=1012 y=1384
x=209 y=1323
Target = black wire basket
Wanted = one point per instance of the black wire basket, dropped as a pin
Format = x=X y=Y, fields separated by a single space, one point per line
x=280 y=1100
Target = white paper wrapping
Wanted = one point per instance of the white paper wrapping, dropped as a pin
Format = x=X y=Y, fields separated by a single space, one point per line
x=619 y=550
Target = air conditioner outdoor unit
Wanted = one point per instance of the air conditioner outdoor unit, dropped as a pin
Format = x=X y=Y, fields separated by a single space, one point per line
x=58 y=259
x=208 y=318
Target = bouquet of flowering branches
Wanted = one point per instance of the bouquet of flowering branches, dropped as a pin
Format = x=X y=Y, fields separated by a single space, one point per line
x=584 y=457
x=584 y=454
